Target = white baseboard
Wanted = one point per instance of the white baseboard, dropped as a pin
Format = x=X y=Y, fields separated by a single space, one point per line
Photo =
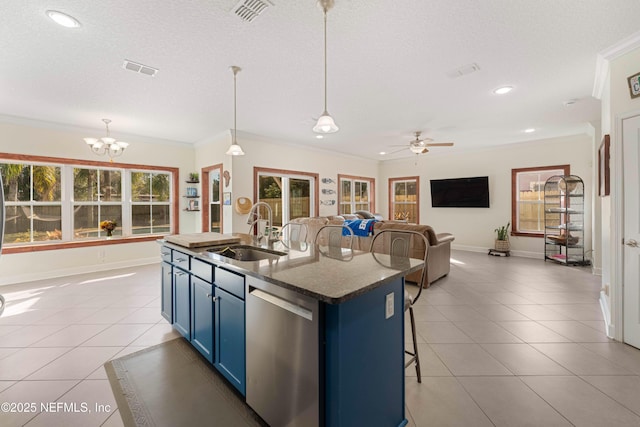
x=50 y=274
x=609 y=328
x=523 y=254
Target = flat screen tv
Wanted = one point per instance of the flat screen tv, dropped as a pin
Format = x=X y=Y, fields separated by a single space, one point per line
x=460 y=192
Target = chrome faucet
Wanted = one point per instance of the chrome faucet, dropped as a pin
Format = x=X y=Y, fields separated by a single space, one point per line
x=254 y=218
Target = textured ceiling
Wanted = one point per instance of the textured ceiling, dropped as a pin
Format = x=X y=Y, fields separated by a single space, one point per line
x=388 y=62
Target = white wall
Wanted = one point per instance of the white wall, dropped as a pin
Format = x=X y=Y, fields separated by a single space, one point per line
x=263 y=153
x=616 y=102
x=474 y=227
x=46 y=139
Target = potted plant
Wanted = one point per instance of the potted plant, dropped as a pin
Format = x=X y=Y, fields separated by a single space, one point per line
x=108 y=226
x=194 y=177
x=502 y=238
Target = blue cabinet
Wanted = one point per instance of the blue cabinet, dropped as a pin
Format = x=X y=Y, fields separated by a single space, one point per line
x=230 y=338
x=167 y=292
x=182 y=302
x=202 y=300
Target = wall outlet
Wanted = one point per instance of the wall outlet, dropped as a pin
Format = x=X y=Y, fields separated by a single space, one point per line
x=388 y=306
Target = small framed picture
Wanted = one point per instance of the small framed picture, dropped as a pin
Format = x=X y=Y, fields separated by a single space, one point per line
x=194 y=205
x=604 y=173
x=226 y=198
x=634 y=85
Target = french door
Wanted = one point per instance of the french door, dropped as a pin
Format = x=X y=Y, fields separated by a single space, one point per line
x=290 y=194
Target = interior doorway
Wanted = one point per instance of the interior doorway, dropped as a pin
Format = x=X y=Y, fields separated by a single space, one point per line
x=631 y=234
x=212 y=198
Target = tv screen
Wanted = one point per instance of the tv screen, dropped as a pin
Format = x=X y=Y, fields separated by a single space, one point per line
x=460 y=192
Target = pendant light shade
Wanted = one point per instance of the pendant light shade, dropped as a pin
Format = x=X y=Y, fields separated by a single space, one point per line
x=325 y=123
x=234 y=148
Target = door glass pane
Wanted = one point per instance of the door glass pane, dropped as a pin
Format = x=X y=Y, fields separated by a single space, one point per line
x=270 y=192
x=345 y=196
x=214 y=197
x=214 y=176
x=300 y=204
x=214 y=217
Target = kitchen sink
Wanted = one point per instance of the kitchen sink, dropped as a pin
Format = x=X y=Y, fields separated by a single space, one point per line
x=247 y=253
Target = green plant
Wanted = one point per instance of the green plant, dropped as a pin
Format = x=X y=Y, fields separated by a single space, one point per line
x=503 y=232
x=194 y=176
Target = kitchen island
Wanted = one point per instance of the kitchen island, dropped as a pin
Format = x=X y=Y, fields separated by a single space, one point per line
x=311 y=336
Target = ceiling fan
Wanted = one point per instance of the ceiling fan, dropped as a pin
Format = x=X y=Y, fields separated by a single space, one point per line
x=419 y=146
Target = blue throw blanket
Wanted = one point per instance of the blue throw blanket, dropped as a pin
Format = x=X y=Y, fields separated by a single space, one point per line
x=360 y=227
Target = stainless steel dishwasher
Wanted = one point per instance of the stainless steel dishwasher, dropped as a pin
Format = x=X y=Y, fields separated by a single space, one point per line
x=283 y=384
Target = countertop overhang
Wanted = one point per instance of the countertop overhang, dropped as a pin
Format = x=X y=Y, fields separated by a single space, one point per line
x=330 y=275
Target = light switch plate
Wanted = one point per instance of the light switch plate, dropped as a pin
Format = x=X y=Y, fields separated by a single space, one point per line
x=388 y=307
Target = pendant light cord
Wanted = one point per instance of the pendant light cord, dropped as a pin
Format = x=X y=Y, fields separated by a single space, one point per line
x=325 y=59
x=235 y=126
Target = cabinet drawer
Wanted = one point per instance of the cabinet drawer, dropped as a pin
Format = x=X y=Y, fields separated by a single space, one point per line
x=230 y=282
x=165 y=254
x=202 y=269
x=181 y=260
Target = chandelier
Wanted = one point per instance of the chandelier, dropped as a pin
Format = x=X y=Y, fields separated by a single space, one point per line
x=106 y=145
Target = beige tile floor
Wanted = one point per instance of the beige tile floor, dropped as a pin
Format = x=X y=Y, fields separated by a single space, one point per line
x=503 y=342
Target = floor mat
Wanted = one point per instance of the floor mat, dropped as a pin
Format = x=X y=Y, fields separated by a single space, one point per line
x=170 y=384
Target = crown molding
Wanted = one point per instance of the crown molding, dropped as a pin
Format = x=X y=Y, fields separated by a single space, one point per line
x=603 y=58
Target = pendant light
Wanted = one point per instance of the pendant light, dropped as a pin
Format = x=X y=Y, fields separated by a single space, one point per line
x=325 y=123
x=234 y=148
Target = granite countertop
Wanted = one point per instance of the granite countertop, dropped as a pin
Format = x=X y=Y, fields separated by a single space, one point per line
x=331 y=275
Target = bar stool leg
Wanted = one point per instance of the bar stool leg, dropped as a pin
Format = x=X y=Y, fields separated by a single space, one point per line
x=415 y=344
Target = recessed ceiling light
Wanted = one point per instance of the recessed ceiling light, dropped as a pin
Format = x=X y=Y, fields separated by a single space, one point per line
x=63 y=19
x=382 y=153
x=319 y=136
x=502 y=90
x=530 y=130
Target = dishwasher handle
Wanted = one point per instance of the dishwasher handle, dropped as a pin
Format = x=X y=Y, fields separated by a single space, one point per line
x=282 y=303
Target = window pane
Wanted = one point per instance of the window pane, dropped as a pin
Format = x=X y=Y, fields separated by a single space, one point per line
x=141 y=219
x=345 y=193
x=85 y=221
x=47 y=223
x=529 y=194
x=85 y=185
x=113 y=213
x=161 y=218
x=140 y=186
x=110 y=186
x=16 y=182
x=161 y=187
x=46 y=183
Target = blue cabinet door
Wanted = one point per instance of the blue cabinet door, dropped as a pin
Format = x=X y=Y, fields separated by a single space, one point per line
x=167 y=292
x=230 y=338
x=202 y=317
x=182 y=301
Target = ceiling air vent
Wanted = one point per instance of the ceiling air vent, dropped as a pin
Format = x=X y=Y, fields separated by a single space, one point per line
x=248 y=10
x=139 y=68
x=463 y=71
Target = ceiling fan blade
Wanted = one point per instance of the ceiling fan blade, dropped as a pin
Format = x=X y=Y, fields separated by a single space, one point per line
x=439 y=144
x=426 y=150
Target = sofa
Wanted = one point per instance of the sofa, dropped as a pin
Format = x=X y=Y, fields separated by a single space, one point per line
x=439 y=245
